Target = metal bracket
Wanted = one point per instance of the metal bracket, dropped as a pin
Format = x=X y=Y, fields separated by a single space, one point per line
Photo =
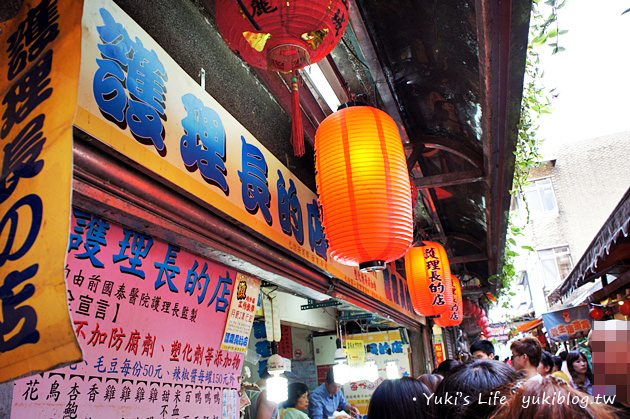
x=202 y=77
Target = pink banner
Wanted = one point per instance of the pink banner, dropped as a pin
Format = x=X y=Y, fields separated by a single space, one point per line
x=150 y=318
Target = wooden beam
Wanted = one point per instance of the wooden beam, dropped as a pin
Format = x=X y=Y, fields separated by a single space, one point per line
x=449 y=179
x=454 y=146
x=416 y=151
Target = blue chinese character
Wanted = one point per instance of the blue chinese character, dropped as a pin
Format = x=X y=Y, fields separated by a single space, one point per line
x=95 y=237
x=387 y=282
x=139 y=249
x=373 y=348
x=130 y=84
x=100 y=367
x=21 y=157
x=12 y=315
x=290 y=209
x=167 y=268
x=12 y=219
x=397 y=347
x=383 y=348
x=394 y=284
x=316 y=238
x=222 y=301
x=194 y=281
x=255 y=189
x=403 y=294
x=203 y=144
x=34 y=33
x=27 y=93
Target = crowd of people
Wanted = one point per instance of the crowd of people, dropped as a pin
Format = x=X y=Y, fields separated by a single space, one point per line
x=533 y=383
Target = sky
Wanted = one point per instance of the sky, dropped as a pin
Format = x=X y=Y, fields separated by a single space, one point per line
x=592 y=76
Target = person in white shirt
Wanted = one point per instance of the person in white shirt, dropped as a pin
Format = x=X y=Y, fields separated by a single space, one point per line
x=526 y=355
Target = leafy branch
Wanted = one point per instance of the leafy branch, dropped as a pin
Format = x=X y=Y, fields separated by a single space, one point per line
x=544 y=30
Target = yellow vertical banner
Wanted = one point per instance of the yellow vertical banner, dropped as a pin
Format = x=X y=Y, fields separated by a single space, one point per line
x=39 y=73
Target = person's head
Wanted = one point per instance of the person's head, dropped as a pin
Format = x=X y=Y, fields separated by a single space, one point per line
x=469 y=381
x=526 y=353
x=431 y=381
x=298 y=396
x=563 y=355
x=568 y=403
x=577 y=364
x=446 y=366
x=404 y=398
x=546 y=364
x=610 y=345
x=557 y=363
x=331 y=385
x=482 y=349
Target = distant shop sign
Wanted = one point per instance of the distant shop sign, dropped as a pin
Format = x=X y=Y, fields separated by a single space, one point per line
x=570 y=323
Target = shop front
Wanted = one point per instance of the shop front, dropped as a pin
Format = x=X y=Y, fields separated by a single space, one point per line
x=180 y=222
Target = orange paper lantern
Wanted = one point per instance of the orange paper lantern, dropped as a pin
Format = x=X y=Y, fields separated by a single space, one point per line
x=455 y=315
x=363 y=186
x=429 y=279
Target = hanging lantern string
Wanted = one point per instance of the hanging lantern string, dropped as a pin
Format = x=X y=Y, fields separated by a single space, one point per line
x=248 y=15
x=297 y=132
x=610 y=303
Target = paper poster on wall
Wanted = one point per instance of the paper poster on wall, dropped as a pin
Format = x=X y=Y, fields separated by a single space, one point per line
x=386 y=347
x=355 y=352
x=149 y=317
x=241 y=316
x=36 y=74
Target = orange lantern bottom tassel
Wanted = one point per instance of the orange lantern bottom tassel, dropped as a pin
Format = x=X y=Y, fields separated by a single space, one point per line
x=297 y=132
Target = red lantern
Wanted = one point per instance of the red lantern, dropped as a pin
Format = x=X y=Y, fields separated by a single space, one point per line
x=283 y=36
x=429 y=279
x=363 y=187
x=624 y=308
x=455 y=315
x=596 y=313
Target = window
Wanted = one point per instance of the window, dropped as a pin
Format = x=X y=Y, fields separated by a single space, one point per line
x=540 y=197
x=556 y=265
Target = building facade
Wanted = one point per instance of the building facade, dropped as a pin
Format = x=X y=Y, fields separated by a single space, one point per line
x=569 y=196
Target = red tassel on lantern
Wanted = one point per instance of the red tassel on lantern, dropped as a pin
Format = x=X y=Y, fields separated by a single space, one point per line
x=429 y=279
x=297 y=133
x=363 y=186
x=283 y=36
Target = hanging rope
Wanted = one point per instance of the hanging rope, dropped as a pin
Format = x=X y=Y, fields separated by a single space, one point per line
x=297 y=132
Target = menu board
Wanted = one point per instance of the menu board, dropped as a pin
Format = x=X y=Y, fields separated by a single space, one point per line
x=149 y=317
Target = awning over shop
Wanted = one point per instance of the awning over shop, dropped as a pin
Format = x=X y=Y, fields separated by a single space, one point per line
x=526 y=327
x=609 y=249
